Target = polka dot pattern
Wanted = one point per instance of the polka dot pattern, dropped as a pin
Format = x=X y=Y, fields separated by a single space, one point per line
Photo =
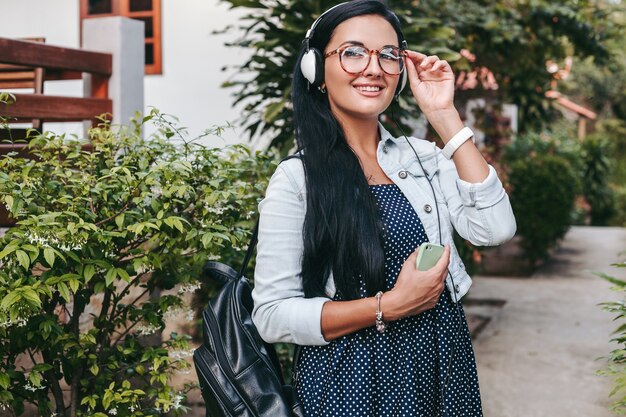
x=400 y=372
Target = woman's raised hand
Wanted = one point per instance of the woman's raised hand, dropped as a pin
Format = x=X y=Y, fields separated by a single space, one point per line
x=415 y=291
x=431 y=80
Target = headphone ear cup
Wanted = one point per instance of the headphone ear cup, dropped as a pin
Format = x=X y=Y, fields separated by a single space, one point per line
x=312 y=67
x=402 y=83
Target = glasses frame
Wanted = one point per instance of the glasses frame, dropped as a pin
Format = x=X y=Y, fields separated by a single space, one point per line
x=370 y=52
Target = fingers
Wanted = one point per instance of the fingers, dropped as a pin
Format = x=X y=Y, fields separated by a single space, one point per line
x=444 y=261
x=439 y=65
x=412 y=72
x=411 y=260
x=425 y=63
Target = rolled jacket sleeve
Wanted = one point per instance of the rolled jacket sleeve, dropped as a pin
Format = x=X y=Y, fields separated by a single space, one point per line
x=281 y=313
x=480 y=212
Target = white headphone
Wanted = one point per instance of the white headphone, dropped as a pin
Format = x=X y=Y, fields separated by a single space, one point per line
x=312 y=62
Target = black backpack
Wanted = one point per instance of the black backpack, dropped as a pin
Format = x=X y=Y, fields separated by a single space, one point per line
x=239 y=373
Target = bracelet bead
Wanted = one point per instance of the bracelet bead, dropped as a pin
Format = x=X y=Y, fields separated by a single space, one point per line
x=381 y=326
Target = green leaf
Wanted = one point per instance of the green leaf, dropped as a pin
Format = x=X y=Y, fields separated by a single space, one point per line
x=88 y=272
x=106 y=399
x=48 y=254
x=119 y=220
x=272 y=111
x=10 y=299
x=10 y=248
x=5 y=380
x=35 y=378
x=123 y=274
x=94 y=369
x=64 y=291
x=9 y=201
x=31 y=295
x=74 y=284
x=23 y=259
x=174 y=222
x=110 y=276
x=611 y=279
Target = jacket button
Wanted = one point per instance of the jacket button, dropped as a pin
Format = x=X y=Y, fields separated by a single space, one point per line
x=428 y=208
x=385 y=149
x=402 y=174
x=456 y=288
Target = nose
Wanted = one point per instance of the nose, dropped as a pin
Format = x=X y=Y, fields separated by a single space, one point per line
x=373 y=67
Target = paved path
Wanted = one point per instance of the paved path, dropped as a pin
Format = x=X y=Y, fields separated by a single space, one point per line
x=537 y=356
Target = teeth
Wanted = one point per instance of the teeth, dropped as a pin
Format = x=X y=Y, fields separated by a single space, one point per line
x=368 y=88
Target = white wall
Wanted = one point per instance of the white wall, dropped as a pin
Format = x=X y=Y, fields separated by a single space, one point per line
x=192 y=58
x=189 y=87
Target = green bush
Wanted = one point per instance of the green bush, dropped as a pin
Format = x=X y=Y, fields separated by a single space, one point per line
x=619 y=218
x=124 y=230
x=544 y=183
x=595 y=176
x=616 y=368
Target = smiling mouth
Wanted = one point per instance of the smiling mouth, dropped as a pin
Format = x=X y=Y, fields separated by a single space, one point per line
x=369 y=88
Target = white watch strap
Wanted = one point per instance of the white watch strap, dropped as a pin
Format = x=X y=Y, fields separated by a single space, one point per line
x=456 y=141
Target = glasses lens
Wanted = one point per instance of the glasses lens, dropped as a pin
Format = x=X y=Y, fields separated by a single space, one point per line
x=354 y=59
x=390 y=60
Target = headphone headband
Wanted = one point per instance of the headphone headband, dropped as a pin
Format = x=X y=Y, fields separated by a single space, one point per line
x=309 y=33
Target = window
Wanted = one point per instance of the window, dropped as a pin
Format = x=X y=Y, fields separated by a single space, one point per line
x=148 y=11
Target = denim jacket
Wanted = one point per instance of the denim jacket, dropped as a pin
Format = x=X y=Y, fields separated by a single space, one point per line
x=480 y=213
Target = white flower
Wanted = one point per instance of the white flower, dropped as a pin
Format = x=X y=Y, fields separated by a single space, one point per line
x=180 y=353
x=113 y=411
x=146 y=330
x=177 y=401
x=189 y=287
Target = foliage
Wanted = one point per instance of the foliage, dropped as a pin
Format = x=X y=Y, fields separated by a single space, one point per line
x=616 y=368
x=106 y=244
x=619 y=219
x=512 y=39
x=596 y=189
x=544 y=181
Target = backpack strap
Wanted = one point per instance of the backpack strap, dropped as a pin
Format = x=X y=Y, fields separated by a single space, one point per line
x=244 y=266
x=255 y=234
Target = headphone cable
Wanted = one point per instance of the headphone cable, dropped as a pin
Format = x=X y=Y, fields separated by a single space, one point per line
x=456 y=301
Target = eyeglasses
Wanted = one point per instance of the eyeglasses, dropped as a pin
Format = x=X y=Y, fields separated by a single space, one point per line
x=354 y=59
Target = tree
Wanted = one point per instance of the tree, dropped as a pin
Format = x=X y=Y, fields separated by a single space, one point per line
x=514 y=39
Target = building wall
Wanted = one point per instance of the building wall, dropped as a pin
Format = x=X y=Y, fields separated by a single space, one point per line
x=192 y=60
x=189 y=87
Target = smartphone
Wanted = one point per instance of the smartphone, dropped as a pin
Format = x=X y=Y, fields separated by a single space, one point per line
x=428 y=255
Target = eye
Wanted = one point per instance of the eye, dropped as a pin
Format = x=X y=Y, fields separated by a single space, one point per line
x=354 y=52
x=390 y=54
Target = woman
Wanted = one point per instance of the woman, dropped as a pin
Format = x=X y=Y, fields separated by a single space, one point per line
x=340 y=228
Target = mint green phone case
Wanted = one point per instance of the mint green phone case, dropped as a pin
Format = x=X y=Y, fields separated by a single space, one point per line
x=428 y=255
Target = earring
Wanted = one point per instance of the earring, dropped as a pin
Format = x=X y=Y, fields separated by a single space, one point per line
x=322 y=88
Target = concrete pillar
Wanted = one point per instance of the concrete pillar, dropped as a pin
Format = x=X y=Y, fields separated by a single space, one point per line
x=124 y=38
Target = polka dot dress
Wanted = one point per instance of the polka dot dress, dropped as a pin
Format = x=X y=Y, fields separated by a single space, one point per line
x=400 y=372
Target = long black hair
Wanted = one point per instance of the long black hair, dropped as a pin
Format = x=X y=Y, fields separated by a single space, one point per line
x=342 y=231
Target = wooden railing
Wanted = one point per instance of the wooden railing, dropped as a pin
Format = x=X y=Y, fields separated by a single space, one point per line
x=54 y=63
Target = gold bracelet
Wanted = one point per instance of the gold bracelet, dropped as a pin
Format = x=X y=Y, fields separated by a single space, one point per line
x=381 y=326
